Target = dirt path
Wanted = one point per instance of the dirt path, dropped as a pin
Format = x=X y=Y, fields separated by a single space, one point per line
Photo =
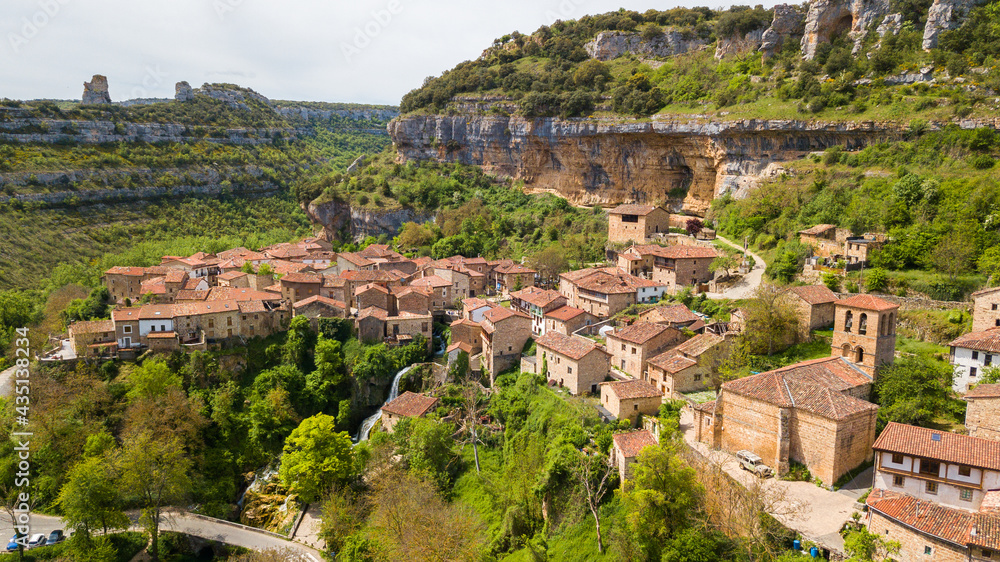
x=746 y=286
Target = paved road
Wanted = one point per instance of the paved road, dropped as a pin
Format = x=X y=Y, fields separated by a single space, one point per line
x=815 y=512
x=182 y=522
x=7 y=381
x=746 y=286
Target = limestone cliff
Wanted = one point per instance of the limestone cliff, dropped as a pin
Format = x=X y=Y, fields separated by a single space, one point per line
x=942 y=16
x=338 y=218
x=608 y=45
x=828 y=18
x=681 y=163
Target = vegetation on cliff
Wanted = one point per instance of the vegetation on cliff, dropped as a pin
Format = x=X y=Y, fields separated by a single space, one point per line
x=549 y=73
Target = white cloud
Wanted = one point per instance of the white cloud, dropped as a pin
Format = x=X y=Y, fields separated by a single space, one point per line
x=292 y=49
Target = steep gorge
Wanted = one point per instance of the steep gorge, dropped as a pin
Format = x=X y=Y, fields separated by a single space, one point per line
x=684 y=164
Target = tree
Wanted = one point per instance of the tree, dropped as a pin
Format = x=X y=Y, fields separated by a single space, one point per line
x=154 y=378
x=784 y=268
x=316 y=457
x=272 y=417
x=693 y=226
x=696 y=545
x=832 y=282
x=248 y=268
x=155 y=472
x=865 y=546
x=954 y=254
x=990 y=375
x=330 y=372
x=877 y=281
x=724 y=263
x=770 y=320
x=594 y=474
x=91 y=499
x=989 y=265
x=914 y=390
x=550 y=262
x=299 y=344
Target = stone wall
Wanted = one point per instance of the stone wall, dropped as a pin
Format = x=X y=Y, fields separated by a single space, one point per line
x=982 y=418
x=986 y=312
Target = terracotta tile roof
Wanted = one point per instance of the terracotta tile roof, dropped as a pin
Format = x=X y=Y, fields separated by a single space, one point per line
x=673 y=314
x=125 y=314
x=252 y=306
x=571 y=346
x=321 y=300
x=641 y=332
x=672 y=362
x=93 y=327
x=513 y=268
x=356 y=259
x=158 y=270
x=677 y=252
x=939 y=445
x=500 y=313
x=606 y=282
x=867 y=302
x=984 y=391
x=987 y=340
x=818 y=229
x=175 y=276
x=706 y=406
x=538 y=297
x=290 y=252
x=987 y=291
x=410 y=404
x=773 y=388
x=379 y=251
x=698 y=345
x=375 y=311
x=130 y=271
x=473 y=303
x=155 y=286
x=230 y=275
x=161 y=335
x=632 y=389
x=814 y=294
x=193 y=283
x=833 y=372
x=206 y=307
x=991 y=502
x=283 y=267
x=185 y=295
x=371 y=287
x=155 y=311
x=433 y=281
x=948 y=524
x=302 y=278
x=631 y=209
x=240 y=294
x=564 y=313
x=632 y=443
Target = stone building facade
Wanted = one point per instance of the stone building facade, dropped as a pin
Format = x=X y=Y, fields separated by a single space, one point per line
x=632 y=346
x=986 y=309
x=982 y=415
x=864 y=331
x=574 y=362
x=630 y=399
x=505 y=332
x=636 y=223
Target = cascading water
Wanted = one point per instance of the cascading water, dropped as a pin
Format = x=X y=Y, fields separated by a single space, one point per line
x=369 y=423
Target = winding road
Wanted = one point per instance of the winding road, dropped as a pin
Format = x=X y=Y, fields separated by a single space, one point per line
x=746 y=286
x=194 y=525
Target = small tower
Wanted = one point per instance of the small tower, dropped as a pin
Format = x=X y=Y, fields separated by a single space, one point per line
x=864 y=332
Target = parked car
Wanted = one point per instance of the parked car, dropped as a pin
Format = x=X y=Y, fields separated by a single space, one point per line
x=753 y=463
x=12 y=545
x=36 y=541
x=56 y=537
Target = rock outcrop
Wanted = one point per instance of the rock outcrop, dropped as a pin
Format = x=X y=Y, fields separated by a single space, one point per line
x=738 y=44
x=829 y=18
x=788 y=24
x=610 y=45
x=683 y=164
x=891 y=24
x=183 y=92
x=942 y=16
x=233 y=96
x=339 y=218
x=96 y=91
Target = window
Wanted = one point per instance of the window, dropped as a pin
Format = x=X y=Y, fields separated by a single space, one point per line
x=633 y=351
x=635 y=406
x=994 y=306
x=229 y=321
x=897 y=458
x=965 y=471
x=898 y=481
x=848 y=321
x=697 y=378
x=973 y=371
x=928 y=550
x=988 y=359
x=127 y=329
x=965 y=495
x=863 y=324
x=930 y=467
x=623 y=364
x=987 y=554
x=569 y=370
x=623 y=347
x=975 y=355
x=931 y=488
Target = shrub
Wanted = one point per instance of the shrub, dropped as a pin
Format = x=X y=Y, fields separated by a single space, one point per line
x=877 y=280
x=981 y=162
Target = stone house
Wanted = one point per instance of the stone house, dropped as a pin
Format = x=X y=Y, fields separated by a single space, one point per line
x=982 y=415
x=317 y=307
x=126 y=282
x=814 y=305
x=626 y=448
x=815 y=413
x=857 y=249
x=986 y=309
x=300 y=286
x=574 y=362
x=864 y=331
x=473 y=308
x=685 y=368
x=402 y=328
x=262 y=318
x=505 y=332
x=508 y=277
x=442 y=296
x=467 y=336
x=606 y=291
x=126 y=322
x=536 y=303
x=673 y=315
x=371 y=324
x=567 y=320
x=630 y=399
x=374 y=294
x=94 y=338
x=632 y=346
x=407 y=405
x=233 y=279
x=937 y=493
x=826 y=240
x=672 y=266
x=412 y=299
x=636 y=223
x=352 y=261
x=970 y=354
x=704 y=417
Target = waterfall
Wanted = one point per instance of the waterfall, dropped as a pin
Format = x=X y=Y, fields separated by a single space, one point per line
x=369 y=423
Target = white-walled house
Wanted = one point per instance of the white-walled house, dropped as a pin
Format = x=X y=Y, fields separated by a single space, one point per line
x=156 y=318
x=970 y=354
x=648 y=291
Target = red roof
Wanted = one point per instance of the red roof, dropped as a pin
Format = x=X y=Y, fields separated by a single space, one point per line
x=631 y=389
x=673 y=314
x=499 y=313
x=375 y=311
x=632 y=443
x=987 y=340
x=672 y=362
x=302 y=278
x=431 y=281
x=538 y=297
x=939 y=445
x=678 y=252
x=632 y=209
x=93 y=326
x=122 y=270
x=641 y=332
x=984 y=391
x=814 y=294
x=564 y=313
x=410 y=404
x=574 y=347
x=321 y=300
x=867 y=302
x=948 y=524
x=818 y=229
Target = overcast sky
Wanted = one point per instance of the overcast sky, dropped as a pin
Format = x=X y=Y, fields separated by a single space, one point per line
x=365 y=51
